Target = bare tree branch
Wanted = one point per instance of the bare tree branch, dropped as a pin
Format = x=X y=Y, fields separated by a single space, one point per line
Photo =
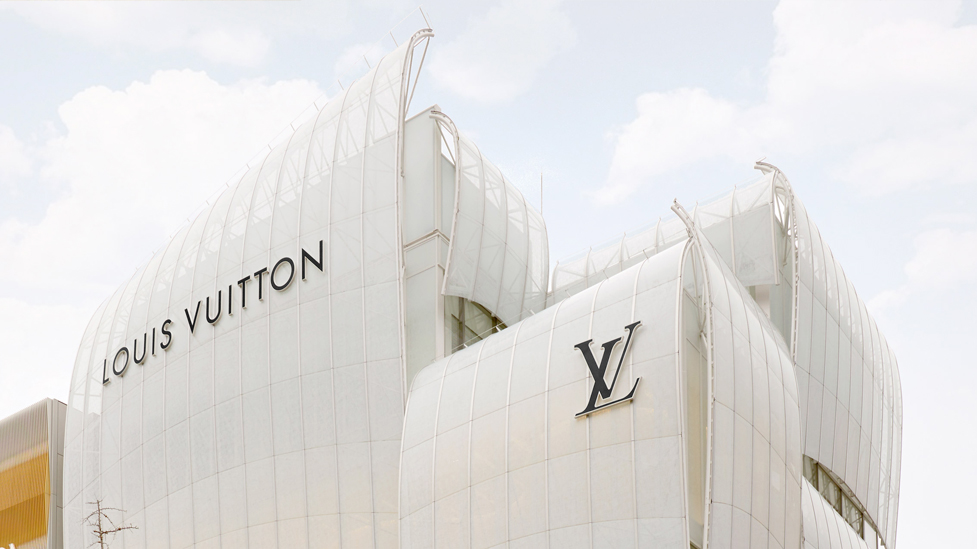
x=95 y=520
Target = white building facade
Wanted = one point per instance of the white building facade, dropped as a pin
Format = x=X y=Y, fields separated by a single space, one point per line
x=359 y=344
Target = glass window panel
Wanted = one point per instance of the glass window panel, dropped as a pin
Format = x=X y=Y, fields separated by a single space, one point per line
x=467 y=322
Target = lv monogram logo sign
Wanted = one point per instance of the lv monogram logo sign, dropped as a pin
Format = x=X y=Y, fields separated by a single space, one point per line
x=602 y=391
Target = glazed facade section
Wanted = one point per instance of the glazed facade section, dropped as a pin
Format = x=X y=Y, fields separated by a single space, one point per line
x=358 y=345
x=31 y=461
x=823 y=527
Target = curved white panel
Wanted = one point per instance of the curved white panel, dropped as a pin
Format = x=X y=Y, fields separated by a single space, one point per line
x=824 y=528
x=850 y=394
x=494 y=453
x=498 y=255
x=281 y=422
x=273 y=422
x=848 y=381
x=756 y=431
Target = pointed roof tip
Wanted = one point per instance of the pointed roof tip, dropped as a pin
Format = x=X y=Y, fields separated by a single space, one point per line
x=765 y=167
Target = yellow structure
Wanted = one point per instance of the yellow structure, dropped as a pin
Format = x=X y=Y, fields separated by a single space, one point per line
x=31 y=456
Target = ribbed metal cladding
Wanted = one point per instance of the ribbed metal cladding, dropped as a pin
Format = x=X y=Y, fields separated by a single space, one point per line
x=30 y=444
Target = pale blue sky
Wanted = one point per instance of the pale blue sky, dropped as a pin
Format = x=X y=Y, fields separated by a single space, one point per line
x=118 y=119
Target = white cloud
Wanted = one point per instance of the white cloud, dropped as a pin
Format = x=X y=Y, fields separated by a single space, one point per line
x=211 y=33
x=39 y=342
x=944 y=261
x=929 y=323
x=133 y=163
x=937 y=156
x=672 y=130
x=238 y=47
x=238 y=33
x=944 y=257
x=947 y=218
x=14 y=160
x=885 y=91
x=499 y=55
x=136 y=161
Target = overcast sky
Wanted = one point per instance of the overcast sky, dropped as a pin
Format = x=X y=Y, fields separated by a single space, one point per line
x=118 y=120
